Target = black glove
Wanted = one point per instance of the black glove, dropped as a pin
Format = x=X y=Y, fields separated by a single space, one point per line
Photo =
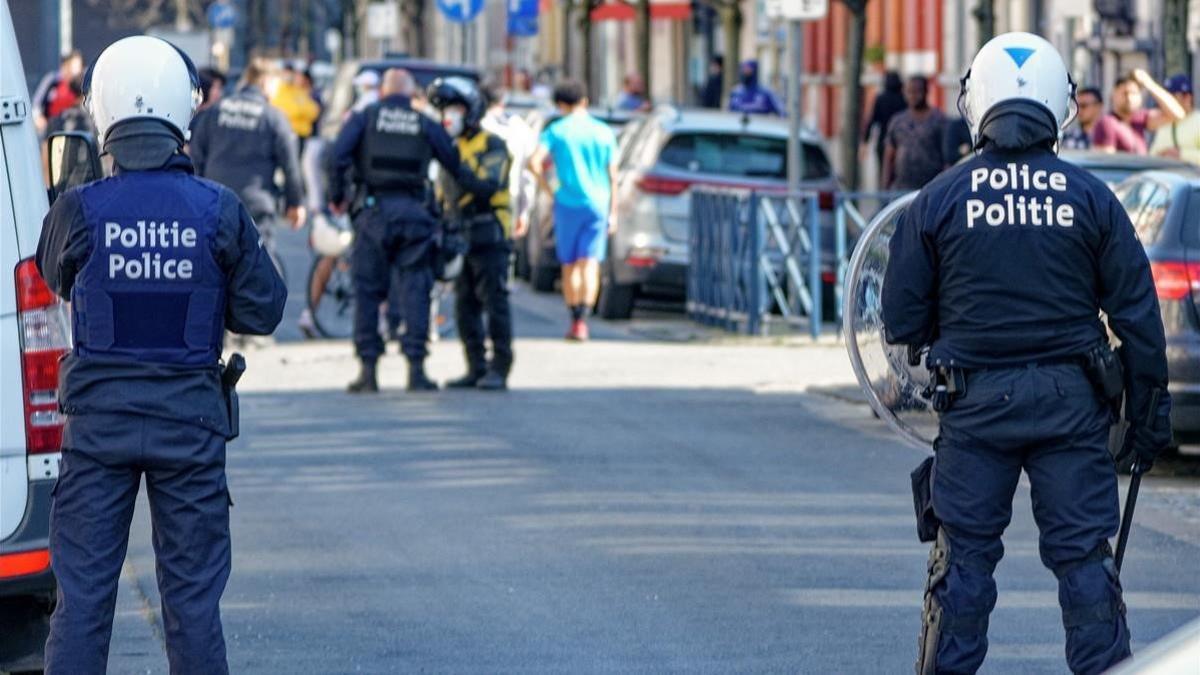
x=1144 y=444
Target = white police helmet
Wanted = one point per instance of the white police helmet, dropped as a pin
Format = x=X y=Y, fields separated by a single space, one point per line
x=1017 y=66
x=331 y=236
x=142 y=77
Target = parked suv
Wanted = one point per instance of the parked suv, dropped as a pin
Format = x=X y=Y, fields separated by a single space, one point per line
x=1164 y=207
x=669 y=152
x=34 y=333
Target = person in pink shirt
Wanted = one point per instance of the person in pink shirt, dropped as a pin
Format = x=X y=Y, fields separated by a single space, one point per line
x=1126 y=127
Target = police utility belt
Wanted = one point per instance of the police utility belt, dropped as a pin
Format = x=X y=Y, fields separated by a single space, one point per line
x=1101 y=364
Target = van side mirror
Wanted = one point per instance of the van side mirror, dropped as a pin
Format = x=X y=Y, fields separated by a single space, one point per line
x=73 y=160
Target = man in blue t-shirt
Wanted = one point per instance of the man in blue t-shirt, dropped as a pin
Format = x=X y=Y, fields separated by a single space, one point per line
x=584 y=152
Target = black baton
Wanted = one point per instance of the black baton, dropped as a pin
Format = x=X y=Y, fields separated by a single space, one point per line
x=1135 y=484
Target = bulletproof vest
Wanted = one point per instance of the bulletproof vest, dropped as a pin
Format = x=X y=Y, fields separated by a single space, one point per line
x=394 y=153
x=151 y=289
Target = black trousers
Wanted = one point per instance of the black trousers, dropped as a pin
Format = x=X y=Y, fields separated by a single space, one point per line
x=482 y=289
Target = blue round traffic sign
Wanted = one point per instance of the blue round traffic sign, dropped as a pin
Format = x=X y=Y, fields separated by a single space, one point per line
x=460 y=11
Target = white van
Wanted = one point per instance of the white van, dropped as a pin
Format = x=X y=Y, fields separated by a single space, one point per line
x=34 y=334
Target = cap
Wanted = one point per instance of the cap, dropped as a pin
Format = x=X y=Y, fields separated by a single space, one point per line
x=367 y=78
x=1178 y=84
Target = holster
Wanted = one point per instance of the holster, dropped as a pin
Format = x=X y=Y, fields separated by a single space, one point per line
x=945 y=386
x=230 y=374
x=1107 y=375
x=922 y=490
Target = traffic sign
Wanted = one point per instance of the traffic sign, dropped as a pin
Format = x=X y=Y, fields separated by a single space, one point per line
x=383 y=20
x=221 y=15
x=460 y=11
x=522 y=18
x=798 y=10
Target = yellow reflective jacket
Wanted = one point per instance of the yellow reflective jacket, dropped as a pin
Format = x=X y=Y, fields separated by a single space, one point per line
x=487 y=156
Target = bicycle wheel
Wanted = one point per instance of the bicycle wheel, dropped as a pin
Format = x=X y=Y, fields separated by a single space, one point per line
x=333 y=312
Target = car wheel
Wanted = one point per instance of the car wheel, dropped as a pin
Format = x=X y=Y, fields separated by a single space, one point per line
x=616 y=300
x=521 y=258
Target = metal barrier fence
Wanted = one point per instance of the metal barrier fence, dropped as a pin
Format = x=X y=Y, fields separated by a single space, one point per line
x=757 y=255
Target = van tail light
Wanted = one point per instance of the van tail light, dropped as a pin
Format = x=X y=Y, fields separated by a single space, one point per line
x=45 y=338
x=1175 y=280
x=24 y=563
x=659 y=185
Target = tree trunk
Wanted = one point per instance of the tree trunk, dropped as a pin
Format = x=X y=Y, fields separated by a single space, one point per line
x=852 y=95
x=985 y=18
x=1175 y=47
x=731 y=24
x=643 y=42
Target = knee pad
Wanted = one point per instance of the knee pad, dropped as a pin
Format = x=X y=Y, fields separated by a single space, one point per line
x=1089 y=589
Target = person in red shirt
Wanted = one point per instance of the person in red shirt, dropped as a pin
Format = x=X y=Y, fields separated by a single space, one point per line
x=1126 y=127
x=54 y=94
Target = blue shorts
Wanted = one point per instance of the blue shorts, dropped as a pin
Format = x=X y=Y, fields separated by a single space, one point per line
x=580 y=232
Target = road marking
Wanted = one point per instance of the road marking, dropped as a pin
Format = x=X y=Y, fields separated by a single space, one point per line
x=877 y=598
x=799 y=521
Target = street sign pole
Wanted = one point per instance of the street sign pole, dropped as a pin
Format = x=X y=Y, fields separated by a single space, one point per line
x=795 y=106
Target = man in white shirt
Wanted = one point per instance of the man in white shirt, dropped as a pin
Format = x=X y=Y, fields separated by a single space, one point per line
x=1180 y=140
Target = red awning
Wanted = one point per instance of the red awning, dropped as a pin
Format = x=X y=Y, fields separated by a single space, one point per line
x=615 y=10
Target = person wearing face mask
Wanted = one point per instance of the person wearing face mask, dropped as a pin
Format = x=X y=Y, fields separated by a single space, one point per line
x=387 y=148
x=485 y=221
x=751 y=97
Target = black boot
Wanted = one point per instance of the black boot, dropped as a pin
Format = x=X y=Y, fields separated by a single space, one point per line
x=417 y=381
x=366 y=382
x=468 y=381
x=493 y=381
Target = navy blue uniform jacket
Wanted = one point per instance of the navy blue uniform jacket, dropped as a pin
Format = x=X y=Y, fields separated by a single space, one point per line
x=1009 y=258
x=255 y=296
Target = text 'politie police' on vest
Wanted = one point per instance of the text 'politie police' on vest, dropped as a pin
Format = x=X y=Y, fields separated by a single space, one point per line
x=150 y=250
x=1036 y=209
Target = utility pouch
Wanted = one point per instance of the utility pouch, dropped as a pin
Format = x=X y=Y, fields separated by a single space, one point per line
x=922 y=489
x=230 y=374
x=1107 y=375
x=945 y=386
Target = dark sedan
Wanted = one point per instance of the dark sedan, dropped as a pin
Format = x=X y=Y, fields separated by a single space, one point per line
x=1164 y=207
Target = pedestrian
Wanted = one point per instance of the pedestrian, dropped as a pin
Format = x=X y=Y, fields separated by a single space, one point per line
x=366 y=90
x=242 y=142
x=212 y=87
x=1090 y=103
x=53 y=94
x=888 y=103
x=1126 y=127
x=481 y=288
x=1180 y=140
x=956 y=141
x=388 y=147
x=751 y=97
x=141 y=386
x=985 y=270
x=633 y=94
x=584 y=151
x=294 y=97
x=714 y=83
x=521 y=141
x=75 y=118
x=912 y=153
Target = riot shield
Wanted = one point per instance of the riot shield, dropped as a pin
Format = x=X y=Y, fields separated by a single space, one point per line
x=892 y=386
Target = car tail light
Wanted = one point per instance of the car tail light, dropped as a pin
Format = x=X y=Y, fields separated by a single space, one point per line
x=1174 y=280
x=659 y=185
x=24 y=563
x=45 y=337
x=826 y=201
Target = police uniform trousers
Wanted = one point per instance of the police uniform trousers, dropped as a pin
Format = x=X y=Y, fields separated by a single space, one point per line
x=394 y=234
x=1047 y=421
x=482 y=289
x=104 y=458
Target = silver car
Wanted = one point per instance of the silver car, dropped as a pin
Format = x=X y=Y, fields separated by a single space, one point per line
x=669 y=151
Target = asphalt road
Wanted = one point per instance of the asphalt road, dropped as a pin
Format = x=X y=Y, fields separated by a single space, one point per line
x=648 y=502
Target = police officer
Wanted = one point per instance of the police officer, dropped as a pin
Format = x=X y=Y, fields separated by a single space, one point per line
x=1002 y=266
x=482 y=285
x=750 y=96
x=241 y=142
x=387 y=148
x=156 y=264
